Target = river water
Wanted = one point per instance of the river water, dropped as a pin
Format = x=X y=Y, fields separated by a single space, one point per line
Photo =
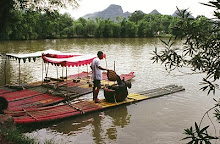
x=155 y=121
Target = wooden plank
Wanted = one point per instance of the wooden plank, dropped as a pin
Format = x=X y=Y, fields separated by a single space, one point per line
x=28 y=113
x=170 y=88
x=137 y=97
x=104 y=104
x=85 y=106
x=164 y=91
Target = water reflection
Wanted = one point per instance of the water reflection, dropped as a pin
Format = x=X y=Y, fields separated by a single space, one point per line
x=10 y=71
x=103 y=126
x=97 y=129
x=120 y=118
x=7 y=71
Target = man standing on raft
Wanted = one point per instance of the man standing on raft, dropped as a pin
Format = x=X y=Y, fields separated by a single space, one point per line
x=97 y=75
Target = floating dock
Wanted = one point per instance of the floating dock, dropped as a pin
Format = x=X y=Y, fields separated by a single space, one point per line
x=50 y=113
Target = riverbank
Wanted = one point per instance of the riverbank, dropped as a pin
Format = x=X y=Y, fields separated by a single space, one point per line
x=16 y=136
x=11 y=134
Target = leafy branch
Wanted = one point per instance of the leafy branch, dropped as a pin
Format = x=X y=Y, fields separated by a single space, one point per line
x=200 y=52
x=198 y=136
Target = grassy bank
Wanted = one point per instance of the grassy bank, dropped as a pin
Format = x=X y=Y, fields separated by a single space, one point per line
x=14 y=136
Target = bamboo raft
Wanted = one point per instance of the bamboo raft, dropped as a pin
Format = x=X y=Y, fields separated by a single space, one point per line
x=50 y=113
x=35 y=95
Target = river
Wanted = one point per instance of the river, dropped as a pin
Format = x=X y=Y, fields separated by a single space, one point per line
x=155 y=121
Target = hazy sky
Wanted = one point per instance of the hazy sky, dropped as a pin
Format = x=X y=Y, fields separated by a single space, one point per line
x=162 y=6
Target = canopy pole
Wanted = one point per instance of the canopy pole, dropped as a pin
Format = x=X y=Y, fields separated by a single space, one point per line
x=114 y=65
x=5 y=70
x=47 y=70
x=57 y=76
x=62 y=73
x=78 y=72
x=19 y=79
x=106 y=63
x=106 y=67
x=87 y=71
x=42 y=71
x=66 y=85
x=114 y=69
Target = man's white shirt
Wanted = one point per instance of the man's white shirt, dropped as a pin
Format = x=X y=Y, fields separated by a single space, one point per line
x=97 y=73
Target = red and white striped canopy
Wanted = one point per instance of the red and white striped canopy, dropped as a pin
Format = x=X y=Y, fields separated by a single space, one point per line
x=68 y=59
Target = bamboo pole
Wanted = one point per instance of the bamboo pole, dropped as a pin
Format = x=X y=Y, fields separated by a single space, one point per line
x=114 y=69
x=57 y=76
x=62 y=73
x=87 y=71
x=19 y=79
x=47 y=70
x=78 y=72
x=5 y=71
x=106 y=63
x=42 y=71
x=66 y=84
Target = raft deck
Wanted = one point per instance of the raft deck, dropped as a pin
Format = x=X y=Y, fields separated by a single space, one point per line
x=34 y=115
x=38 y=96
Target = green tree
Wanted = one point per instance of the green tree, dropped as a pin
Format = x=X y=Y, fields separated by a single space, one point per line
x=108 y=32
x=141 y=26
x=100 y=30
x=69 y=31
x=131 y=29
x=201 y=53
x=5 y=7
x=116 y=28
x=173 y=23
x=64 y=21
x=15 y=27
x=83 y=22
x=149 y=29
x=79 y=29
x=145 y=29
x=48 y=25
x=90 y=28
x=152 y=24
x=165 y=23
x=44 y=6
x=30 y=20
x=136 y=16
x=123 y=28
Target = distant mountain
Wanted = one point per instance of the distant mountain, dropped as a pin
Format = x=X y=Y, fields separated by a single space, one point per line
x=175 y=14
x=116 y=10
x=154 y=12
x=111 y=12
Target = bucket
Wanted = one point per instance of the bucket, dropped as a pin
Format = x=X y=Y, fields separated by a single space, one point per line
x=114 y=95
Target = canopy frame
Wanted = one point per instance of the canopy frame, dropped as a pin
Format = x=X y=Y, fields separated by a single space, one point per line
x=24 y=57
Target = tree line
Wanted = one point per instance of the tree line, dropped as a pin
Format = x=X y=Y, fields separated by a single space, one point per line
x=29 y=24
